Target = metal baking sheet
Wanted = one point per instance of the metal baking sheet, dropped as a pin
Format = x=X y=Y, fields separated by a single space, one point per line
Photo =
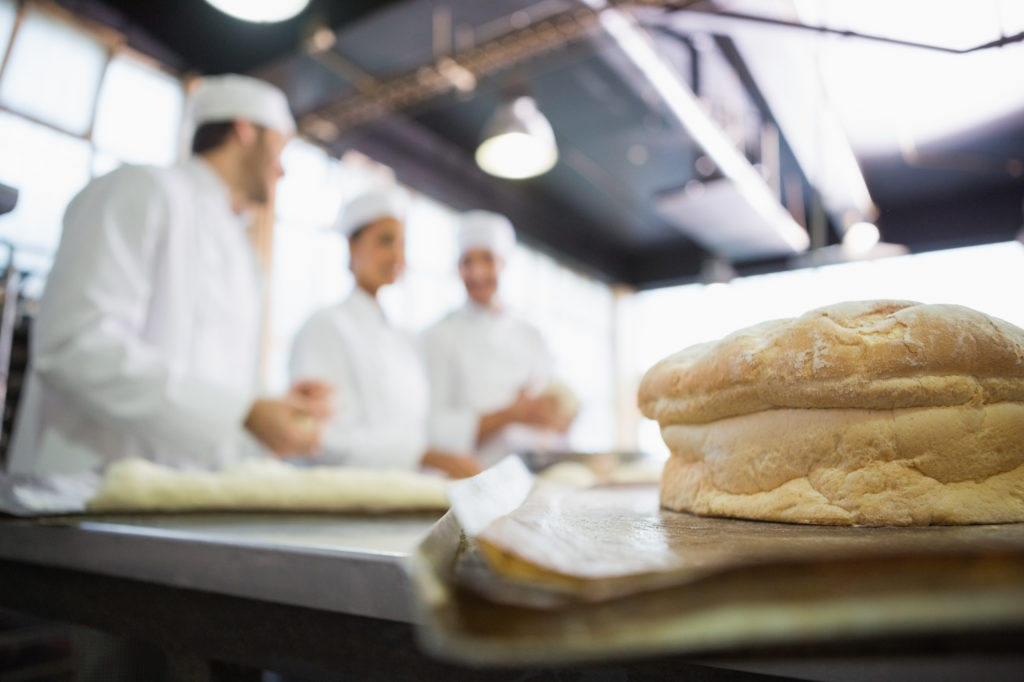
x=591 y=574
x=27 y=496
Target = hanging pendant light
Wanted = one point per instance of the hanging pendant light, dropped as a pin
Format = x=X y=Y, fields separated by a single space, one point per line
x=860 y=238
x=517 y=142
x=260 y=11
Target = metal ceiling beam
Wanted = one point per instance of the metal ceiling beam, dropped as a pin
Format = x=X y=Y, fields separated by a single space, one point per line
x=381 y=96
x=825 y=30
x=822 y=148
x=638 y=47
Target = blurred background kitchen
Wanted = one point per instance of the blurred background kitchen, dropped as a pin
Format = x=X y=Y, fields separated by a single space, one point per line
x=715 y=163
x=682 y=168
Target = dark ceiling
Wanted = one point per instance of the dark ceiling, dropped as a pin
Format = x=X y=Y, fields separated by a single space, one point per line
x=624 y=200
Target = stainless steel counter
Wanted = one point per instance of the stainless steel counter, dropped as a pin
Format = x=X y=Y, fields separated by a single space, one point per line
x=317 y=596
x=349 y=564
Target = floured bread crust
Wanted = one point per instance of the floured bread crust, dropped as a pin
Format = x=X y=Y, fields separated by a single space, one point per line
x=867 y=354
x=917 y=466
x=869 y=413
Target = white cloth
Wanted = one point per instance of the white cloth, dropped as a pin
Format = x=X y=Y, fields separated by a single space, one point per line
x=486 y=230
x=146 y=343
x=478 y=360
x=219 y=99
x=380 y=387
x=369 y=207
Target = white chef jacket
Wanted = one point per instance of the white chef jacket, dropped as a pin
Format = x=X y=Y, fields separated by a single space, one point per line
x=380 y=387
x=146 y=342
x=478 y=360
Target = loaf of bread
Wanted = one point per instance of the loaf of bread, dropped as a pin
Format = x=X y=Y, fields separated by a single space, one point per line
x=859 y=413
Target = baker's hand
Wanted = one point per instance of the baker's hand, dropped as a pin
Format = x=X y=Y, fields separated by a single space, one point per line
x=284 y=426
x=541 y=411
x=562 y=422
x=313 y=397
x=456 y=466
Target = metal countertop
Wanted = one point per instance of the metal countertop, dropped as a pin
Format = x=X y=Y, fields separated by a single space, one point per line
x=353 y=564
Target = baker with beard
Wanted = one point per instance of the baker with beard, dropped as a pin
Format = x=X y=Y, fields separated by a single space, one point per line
x=147 y=339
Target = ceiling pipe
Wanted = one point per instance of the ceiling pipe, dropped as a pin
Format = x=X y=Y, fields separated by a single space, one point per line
x=459 y=71
x=637 y=46
x=845 y=33
x=820 y=144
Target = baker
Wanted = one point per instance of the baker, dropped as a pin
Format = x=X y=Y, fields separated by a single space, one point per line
x=375 y=369
x=147 y=338
x=489 y=370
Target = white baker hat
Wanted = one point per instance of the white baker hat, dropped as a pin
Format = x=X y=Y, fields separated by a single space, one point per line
x=228 y=97
x=370 y=206
x=486 y=230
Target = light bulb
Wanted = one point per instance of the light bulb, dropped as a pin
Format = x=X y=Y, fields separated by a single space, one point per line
x=860 y=238
x=516 y=156
x=260 y=11
x=518 y=142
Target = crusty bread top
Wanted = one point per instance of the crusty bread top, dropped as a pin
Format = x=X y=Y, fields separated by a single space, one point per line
x=858 y=354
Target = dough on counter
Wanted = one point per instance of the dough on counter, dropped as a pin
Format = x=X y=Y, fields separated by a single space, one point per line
x=265 y=485
x=574 y=474
x=581 y=475
x=860 y=413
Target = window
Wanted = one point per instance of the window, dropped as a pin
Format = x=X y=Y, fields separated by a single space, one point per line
x=8 y=13
x=48 y=107
x=138 y=114
x=53 y=73
x=48 y=168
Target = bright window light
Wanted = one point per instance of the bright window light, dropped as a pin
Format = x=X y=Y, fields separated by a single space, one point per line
x=139 y=114
x=104 y=163
x=950 y=23
x=260 y=11
x=892 y=95
x=53 y=73
x=8 y=12
x=312 y=188
x=47 y=168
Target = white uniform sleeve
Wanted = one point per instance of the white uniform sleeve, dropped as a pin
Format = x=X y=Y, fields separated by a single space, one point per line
x=543 y=362
x=87 y=340
x=320 y=353
x=542 y=374
x=451 y=428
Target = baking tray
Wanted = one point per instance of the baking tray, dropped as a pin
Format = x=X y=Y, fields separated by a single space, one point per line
x=588 y=575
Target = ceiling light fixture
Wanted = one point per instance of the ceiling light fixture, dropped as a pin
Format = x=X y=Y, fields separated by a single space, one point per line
x=260 y=11
x=518 y=141
x=860 y=238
